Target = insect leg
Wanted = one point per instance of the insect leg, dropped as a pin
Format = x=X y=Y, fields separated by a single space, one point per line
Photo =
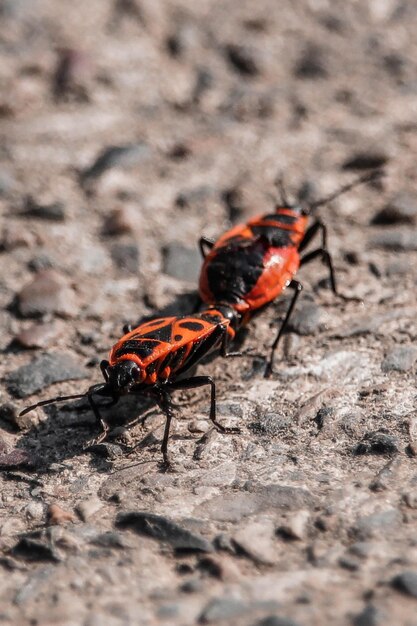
x=105 y=427
x=294 y=284
x=200 y=381
x=205 y=244
x=164 y=402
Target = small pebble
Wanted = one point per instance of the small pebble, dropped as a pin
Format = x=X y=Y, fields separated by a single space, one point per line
x=370 y=616
x=222 y=609
x=48 y=292
x=116 y=156
x=41 y=372
x=296 y=526
x=126 y=257
x=39 y=335
x=377 y=442
x=407 y=583
x=121 y=221
x=88 y=508
x=35 y=510
x=242 y=59
x=311 y=64
x=401 y=209
x=181 y=262
x=363 y=160
x=53 y=212
x=400 y=359
x=58 y=516
x=399 y=239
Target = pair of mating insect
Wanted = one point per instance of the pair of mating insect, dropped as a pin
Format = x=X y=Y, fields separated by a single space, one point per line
x=242 y=273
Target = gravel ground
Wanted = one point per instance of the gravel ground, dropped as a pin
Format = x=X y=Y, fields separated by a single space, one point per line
x=129 y=128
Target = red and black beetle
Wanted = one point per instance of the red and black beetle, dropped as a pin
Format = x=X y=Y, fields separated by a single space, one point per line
x=251 y=264
x=153 y=359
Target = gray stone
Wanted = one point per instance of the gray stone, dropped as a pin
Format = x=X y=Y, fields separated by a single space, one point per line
x=397 y=240
x=275 y=620
x=116 y=156
x=406 y=582
x=377 y=442
x=370 y=526
x=243 y=59
x=165 y=530
x=235 y=506
x=365 y=159
x=221 y=609
x=370 y=616
x=181 y=262
x=400 y=359
x=47 y=293
x=126 y=256
x=401 y=209
x=52 y=212
x=307 y=318
x=41 y=372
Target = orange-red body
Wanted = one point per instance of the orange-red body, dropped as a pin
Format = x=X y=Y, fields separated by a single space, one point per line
x=166 y=346
x=251 y=264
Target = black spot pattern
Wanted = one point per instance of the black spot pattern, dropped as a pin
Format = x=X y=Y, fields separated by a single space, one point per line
x=160 y=334
x=141 y=348
x=234 y=271
x=190 y=325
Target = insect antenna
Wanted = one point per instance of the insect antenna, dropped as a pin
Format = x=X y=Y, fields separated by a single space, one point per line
x=51 y=401
x=366 y=178
x=279 y=184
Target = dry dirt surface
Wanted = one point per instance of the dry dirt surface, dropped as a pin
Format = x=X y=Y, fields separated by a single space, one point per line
x=129 y=128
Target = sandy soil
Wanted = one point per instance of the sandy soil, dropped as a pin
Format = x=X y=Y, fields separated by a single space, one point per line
x=127 y=130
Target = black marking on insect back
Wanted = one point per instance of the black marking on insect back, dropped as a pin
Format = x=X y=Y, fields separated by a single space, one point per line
x=213 y=318
x=177 y=337
x=177 y=358
x=203 y=348
x=283 y=218
x=189 y=325
x=153 y=323
x=140 y=348
x=160 y=334
x=234 y=271
x=275 y=236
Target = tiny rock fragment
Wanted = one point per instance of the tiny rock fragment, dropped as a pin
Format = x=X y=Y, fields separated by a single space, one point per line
x=71 y=75
x=377 y=442
x=311 y=64
x=400 y=359
x=401 y=209
x=39 y=335
x=116 y=156
x=403 y=239
x=242 y=59
x=41 y=372
x=88 y=508
x=296 y=526
x=165 y=530
x=126 y=256
x=58 y=516
x=370 y=616
x=363 y=160
x=14 y=236
x=219 y=609
x=181 y=262
x=51 y=211
x=121 y=221
x=406 y=582
x=276 y=620
x=256 y=540
x=48 y=292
